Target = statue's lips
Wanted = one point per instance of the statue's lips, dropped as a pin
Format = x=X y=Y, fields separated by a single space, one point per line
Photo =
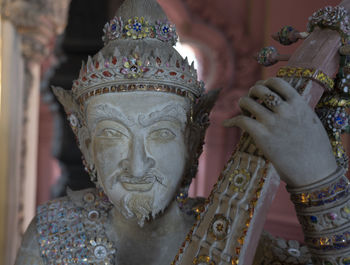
x=131 y=183
x=141 y=186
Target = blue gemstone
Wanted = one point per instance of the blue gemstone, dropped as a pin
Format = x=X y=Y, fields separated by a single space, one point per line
x=137 y=27
x=313 y=219
x=42 y=217
x=53 y=228
x=43 y=230
x=114 y=27
x=64 y=229
x=165 y=29
x=339 y=238
x=61 y=214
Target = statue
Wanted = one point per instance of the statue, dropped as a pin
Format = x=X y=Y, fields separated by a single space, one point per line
x=140 y=115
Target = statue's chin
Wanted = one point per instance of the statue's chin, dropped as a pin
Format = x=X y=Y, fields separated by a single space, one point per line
x=141 y=206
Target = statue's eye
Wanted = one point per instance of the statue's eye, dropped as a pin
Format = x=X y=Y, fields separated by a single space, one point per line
x=108 y=132
x=162 y=134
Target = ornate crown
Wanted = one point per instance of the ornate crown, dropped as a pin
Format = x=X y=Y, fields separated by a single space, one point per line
x=151 y=71
x=137 y=56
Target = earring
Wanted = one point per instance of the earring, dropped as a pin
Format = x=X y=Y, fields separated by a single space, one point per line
x=181 y=199
x=91 y=170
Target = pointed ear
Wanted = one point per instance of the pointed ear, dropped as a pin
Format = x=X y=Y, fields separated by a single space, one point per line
x=76 y=119
x=66 y=98
x=204 y=105
x=197 y=129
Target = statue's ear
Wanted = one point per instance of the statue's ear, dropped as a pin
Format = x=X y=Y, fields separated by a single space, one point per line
x=201 y=111
x=76 y=120
x=66 y=98
x=205 y=104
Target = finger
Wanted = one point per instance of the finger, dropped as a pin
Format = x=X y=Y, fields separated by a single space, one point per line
x=260 y=82
x=247 y=124
x=259 y=91
x=269 y=99
x=257 y=110
x=281 y=87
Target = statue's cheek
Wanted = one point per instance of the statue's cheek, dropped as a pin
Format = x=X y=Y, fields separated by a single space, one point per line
x=108 y=153
x=169 y=156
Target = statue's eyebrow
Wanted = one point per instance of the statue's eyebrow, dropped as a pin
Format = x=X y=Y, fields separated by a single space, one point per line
x=108 y=112
x=171 y=112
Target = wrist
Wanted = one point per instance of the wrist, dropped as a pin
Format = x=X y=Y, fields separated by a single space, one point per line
x=325 y=190
x=309 y=176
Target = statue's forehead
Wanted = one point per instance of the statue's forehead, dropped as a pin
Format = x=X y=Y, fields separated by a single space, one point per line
x=134 y=105
x=137 y=101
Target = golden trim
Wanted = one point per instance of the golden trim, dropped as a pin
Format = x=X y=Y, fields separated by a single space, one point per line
x=308 y=73
x=203 y=259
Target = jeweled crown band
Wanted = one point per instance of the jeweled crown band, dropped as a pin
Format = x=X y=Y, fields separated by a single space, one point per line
x=132 y=88
x=308 y=73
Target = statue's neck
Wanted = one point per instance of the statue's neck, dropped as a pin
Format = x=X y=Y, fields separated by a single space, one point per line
x=156 y=243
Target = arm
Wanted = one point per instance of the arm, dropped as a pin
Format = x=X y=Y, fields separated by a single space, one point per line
x=28 y=253
x=291 y=136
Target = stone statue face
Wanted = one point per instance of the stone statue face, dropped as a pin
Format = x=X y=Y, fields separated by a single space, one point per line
x=138 y=148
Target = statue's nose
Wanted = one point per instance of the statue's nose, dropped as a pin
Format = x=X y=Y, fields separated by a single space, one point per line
x=138 y=161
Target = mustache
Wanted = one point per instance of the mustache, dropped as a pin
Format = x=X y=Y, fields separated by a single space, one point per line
x=151 y=176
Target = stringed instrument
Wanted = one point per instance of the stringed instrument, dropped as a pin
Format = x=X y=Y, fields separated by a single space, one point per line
x=229 y=226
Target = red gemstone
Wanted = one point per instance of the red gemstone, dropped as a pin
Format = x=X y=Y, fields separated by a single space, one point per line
x=84 y=78
x=158 y=60
x=173 y=73
x=238 y=250
x=177 y=64
x=97 y=65
x=93 y=76
x=183 y=77
x=107 y=74
x=160 y=71
x=114 y=60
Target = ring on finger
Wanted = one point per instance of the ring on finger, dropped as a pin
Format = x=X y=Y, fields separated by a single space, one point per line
x=272 y=100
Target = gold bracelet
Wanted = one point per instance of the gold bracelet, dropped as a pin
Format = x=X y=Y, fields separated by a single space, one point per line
x=308 y=73
x=328 y=190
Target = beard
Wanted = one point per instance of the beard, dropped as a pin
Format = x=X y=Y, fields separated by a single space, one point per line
x=142 y=197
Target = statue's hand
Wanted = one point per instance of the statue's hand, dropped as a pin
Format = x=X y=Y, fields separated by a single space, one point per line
x=287 y=131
